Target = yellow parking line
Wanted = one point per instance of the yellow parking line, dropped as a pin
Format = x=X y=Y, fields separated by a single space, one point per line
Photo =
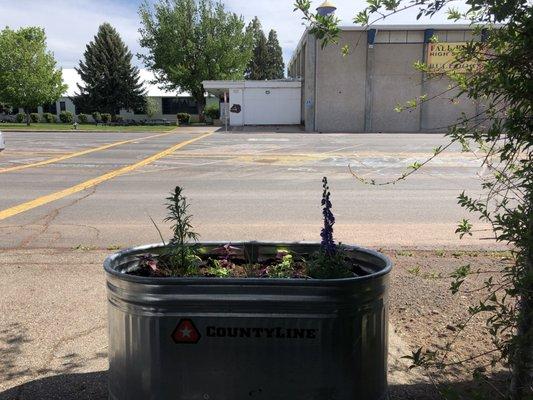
x=9 y=212
x=77 y=154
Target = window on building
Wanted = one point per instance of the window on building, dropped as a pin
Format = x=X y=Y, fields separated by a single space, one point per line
x=174 y=105
x=62 y=106
x=50 y=108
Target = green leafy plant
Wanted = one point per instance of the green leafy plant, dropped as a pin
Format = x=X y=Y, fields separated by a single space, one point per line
x=464 y=228
x=66 y=117
x=49 y=118
x=212 y=111
x=183 y=118
x=404 y=253
x=106 y=118
x=34 y=117
x=183 y=258
x=284 y=269
x=20 y=117
x=82 y=118
x=151 y=107
x=219 y=268
x=97 y=117
x=414 y=270
x=324 y=266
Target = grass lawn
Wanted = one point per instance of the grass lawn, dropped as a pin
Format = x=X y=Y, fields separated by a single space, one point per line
x=85 y=127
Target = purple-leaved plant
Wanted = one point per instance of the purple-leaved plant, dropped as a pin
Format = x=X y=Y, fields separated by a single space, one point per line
x=328 y=246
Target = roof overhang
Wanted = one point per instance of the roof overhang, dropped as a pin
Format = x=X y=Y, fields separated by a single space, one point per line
x=220 y=87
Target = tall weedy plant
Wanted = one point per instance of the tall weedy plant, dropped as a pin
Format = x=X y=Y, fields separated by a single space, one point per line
x=183 y=259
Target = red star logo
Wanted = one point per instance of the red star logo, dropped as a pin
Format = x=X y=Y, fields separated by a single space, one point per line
x=186 y=332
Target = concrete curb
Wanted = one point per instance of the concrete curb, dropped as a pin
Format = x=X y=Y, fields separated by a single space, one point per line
x=81 y=131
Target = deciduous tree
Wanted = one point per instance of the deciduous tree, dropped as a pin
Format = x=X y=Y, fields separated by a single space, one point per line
x=190 y=41
x=28 y=73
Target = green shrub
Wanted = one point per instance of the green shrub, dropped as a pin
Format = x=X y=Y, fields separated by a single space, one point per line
x=83 y=118
x=66 y=117
x=21 y=117
x=106 y=118
x=118 y=119
x=212 y=111
x=97 y=117
x=183 y=118
x=34 y=117
x=48 y=117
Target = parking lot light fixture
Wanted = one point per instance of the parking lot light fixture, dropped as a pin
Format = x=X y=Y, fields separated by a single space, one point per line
x=326 y=8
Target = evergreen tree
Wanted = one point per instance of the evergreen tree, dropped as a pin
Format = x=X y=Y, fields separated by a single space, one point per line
x=110 y=81
x=255 y=31
x=267 y=58
x=276 y=66
x=258 y=67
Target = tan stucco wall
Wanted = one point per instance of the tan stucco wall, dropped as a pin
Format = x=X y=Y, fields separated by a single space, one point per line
x=358 y=92
x=340 y=102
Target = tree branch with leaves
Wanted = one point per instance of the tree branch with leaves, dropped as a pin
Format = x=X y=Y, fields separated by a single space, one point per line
x=29 y=76
x=498 y=74
x=190 y=41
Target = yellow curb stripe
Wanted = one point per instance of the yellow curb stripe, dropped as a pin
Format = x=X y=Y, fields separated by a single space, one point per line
x=9 y=212
x=79 y=153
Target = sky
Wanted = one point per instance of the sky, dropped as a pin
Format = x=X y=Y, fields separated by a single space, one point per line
x=71 y=24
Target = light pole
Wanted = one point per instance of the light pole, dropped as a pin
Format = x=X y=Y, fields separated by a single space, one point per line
x=326 y=8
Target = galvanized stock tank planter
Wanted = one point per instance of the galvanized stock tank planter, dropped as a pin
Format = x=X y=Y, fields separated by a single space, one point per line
x=248 y=338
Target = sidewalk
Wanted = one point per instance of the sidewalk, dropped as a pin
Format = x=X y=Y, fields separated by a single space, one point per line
x=53 y=327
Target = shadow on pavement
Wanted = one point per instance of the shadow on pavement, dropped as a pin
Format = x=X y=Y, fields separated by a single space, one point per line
x=87 y=386
x=263 y=129
x=93 y=386
x=12 y=338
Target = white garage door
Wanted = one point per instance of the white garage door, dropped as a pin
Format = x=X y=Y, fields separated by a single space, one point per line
x=276 y=106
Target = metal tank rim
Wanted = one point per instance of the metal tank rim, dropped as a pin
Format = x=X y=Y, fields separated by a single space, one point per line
x=113 y=258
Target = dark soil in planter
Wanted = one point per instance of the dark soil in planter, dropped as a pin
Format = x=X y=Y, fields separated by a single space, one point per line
x=232 y=262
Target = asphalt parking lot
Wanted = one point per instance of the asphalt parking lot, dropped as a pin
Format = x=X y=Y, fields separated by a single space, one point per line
x=99 y=190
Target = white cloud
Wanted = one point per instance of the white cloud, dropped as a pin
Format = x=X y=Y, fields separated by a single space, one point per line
x=71 y=24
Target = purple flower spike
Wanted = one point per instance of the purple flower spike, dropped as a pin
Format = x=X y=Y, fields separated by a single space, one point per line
x=328 y=245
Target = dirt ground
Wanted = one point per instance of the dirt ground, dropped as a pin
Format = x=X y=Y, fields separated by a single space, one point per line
x=424 y=313
x=53 y=342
